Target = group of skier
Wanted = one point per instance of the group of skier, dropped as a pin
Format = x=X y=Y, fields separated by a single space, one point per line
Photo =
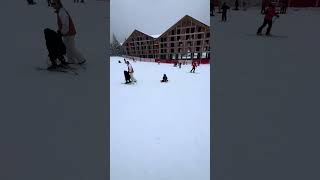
x=129 y=73
x=268 y=9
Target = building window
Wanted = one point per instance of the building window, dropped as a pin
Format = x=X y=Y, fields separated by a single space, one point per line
x=178 y=31
x=178 y=38
x=172 y=32
x=198 y=42
x=172 y=50
x=172 y=44
x=192 y=30
x=208 y=35
x=199 y=36
x=180 y=43
x=188 y=30
x=179 y=50
x=172 y=38
x=187 y=37
x=197 y=49
x=199 y=29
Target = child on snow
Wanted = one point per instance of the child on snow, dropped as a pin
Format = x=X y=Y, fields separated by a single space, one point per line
x=164 y=78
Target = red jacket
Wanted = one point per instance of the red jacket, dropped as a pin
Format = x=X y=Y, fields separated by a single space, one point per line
x=270 y=12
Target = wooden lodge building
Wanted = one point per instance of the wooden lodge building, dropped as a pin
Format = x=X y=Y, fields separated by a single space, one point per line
x=188 y=39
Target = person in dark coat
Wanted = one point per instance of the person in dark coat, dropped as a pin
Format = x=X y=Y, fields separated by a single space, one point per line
x=236 y=5
x=224 y=8
x=164 y=78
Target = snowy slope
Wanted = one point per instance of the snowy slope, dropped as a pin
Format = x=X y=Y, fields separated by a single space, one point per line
x=267 y=95
x=46 y=107
x=160 y=130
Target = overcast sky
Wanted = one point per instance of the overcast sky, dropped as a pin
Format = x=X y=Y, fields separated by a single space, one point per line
x=153 y=16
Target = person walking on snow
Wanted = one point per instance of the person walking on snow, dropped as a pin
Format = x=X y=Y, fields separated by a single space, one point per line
x=194 y=65
x=130 y=70
x=269 y=14
x=67 y=30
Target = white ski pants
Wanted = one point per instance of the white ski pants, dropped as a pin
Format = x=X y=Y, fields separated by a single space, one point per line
x=73 y=54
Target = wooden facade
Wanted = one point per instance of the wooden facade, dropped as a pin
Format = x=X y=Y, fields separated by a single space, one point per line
x=187 y=39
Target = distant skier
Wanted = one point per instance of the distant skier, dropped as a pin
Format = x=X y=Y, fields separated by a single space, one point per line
x=224 y=8
x=49 y=3
x=194 y=65
x=31 y=2
x=244 y=5
x=236 y=4
x=130 y=70
x=269 y=14
x=119 y=61
x=164 y=78
x=284 y=6
x=67 y=30
x=180 y=65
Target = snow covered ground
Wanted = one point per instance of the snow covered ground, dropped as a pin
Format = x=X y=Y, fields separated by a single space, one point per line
x=266 y=96
x=51 y=123
x=160 y=130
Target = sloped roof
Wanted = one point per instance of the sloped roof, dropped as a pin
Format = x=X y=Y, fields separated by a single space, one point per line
x=160 y=35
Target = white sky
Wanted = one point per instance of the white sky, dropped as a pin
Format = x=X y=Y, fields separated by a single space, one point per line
x=153 y=16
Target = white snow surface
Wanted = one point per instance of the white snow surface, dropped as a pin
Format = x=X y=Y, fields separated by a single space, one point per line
x=160 y=130
x=156 y=35
x=52 y=120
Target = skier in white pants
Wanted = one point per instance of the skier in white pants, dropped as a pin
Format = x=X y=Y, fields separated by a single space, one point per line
x=67 y=29
x=130 y=70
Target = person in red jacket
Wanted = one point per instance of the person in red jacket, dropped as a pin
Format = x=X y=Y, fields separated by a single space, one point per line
x=194 y=65
x=269 y=14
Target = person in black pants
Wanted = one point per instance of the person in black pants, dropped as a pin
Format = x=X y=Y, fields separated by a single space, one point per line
x=269 y=14
x=224 y=8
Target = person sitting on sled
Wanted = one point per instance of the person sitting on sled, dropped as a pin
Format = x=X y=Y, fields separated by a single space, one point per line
x=164 y=78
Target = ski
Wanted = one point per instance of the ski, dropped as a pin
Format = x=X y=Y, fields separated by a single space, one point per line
x=61 y=70
x=269 y=36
